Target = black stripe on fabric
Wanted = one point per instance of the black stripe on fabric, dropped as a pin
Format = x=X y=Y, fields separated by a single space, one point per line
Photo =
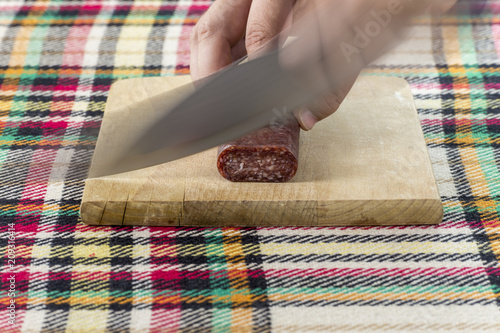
x=120 y=245
x=388 y=238
x=387 y=302
x=257 y=282
x=406 y=257
x=381 y=280
x=120 y=283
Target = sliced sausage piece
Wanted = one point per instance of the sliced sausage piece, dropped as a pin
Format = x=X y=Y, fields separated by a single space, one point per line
x=269 y=154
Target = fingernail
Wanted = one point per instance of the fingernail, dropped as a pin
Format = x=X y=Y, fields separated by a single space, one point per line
x=307 y=119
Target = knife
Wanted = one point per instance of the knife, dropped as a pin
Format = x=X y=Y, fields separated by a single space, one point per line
x=232 y=103
x=241 y=99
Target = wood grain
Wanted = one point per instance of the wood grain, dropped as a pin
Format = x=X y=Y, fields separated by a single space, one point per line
x=365 y=165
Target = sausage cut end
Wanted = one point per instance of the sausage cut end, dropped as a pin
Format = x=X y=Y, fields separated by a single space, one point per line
x=269 y=154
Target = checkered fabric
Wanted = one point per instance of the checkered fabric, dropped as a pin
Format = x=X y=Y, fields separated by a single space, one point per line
x=57 y=61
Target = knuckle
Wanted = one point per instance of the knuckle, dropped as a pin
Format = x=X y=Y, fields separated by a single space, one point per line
x=333 y=101
x=203 y=30
x=329 y=104
x=192 y=36
x=257 y=34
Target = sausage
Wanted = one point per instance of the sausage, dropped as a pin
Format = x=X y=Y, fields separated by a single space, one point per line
x=269 y=154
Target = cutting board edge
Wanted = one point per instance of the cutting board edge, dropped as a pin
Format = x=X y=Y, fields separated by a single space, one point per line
x=100 y=213
x=424 y=211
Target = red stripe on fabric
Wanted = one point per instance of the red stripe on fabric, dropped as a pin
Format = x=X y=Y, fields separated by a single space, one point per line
x=61 y=89
x=183 y=43
x=166 y=7
x=83 y=228
x=59 y=275
x=492 y=85
x=91 y=7
x=196 y=275
x=65 y=228
x=54 y=125
x=199 y=7
x=166 y=275
x=166 y=306
x=426 y=86
x=99 y=88
x=494 y=7
x=40 y=124
x=168 y=232
x=74 y=51
x=27 y=228
x=496 y=37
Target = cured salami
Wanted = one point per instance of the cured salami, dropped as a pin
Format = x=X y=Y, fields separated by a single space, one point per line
x=269 y=154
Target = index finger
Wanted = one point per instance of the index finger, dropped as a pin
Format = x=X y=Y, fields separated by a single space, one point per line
x=221 y=28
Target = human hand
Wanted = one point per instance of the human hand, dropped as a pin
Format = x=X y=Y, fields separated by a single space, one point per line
x=231 y=29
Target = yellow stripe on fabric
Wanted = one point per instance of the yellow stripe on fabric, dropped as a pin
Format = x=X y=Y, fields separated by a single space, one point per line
x=17 y=60
x=388 y=327
x=464 y=140
x=101 y=298
x=241 y=316
x=20 y=48
x=451 y=46
x=368 y=248
x=462 y=102
x=133 y=40
x=475 y=176
x=97 y=266
x=251 y=249
x=141 y=251
x=40 y=251
x=91 y=251
x=472 y=165
x=131 y=47
x=88 y=320
x=275 y=296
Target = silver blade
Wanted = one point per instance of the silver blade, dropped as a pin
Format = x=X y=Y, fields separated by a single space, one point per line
x=241 y=99
x=235 y=102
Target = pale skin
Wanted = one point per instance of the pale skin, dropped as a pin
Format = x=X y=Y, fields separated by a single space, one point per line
x=231 y=29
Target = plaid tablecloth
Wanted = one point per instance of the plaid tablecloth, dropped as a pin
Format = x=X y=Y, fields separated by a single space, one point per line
x=57 y=62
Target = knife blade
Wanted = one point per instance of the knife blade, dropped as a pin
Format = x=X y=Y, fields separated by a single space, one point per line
x=240 y=99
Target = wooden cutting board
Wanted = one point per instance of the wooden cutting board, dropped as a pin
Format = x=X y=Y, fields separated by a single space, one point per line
x=366 y=165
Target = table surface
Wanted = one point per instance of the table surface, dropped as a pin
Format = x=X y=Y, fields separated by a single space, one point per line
x=57 y=62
